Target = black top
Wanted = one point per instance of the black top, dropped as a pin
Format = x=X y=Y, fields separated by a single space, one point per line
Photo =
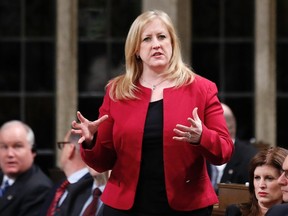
x=151 y=193
x=151 y=198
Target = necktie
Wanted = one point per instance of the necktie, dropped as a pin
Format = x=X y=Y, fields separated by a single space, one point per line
x=58 y=194
x=92 y=207
x=4 y=188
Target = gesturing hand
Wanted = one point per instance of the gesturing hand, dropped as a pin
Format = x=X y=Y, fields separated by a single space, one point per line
x=85 y=128
x=190 y=134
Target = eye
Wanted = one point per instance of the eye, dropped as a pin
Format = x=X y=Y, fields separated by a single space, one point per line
x=256 y=177
x=147 y=39
x=3 y=147
x=162 y=37
x=270 y=178
x=18 y=146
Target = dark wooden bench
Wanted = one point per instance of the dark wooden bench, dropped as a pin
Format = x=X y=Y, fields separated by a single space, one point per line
x=230 y=194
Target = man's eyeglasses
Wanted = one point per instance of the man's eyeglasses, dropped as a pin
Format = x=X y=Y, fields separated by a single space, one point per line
x=285 y=173
x=60 y=145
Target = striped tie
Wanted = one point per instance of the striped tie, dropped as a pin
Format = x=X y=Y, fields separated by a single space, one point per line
x=4 y=188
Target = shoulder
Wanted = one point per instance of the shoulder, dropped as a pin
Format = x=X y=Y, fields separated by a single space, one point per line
x=200 y=86
x=276 y=210
x=37 y=178
x=202 y=81
x=245 y=146
x=233 y=210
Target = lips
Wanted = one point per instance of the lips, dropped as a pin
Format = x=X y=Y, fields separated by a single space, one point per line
x=157 y=54
x=262 y=194
x=11 y=163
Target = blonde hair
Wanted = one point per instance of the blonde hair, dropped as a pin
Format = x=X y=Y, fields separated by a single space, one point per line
x=124 y=86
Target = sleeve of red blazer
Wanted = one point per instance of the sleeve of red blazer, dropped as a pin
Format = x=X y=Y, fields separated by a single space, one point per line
x=215 y=144
x=102 y=156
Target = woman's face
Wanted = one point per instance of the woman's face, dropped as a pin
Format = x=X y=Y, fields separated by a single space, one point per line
x=267 y=190
x=155 y=47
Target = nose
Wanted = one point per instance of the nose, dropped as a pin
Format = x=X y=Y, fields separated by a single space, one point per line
x=155 y=44
x=10 y=151
x=262 y=183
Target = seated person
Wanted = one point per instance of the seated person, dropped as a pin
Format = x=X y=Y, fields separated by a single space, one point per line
x=264 y=171
x=236 y=170
x=76 y=188
x=281 y=209
x=94 y=205
x=24 y=186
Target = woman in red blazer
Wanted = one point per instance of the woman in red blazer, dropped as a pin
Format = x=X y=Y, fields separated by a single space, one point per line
x=158 y=124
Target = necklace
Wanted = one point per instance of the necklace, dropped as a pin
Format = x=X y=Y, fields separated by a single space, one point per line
x=154 y=86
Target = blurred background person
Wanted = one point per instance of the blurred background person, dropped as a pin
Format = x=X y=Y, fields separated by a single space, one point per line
x=236 y=169
x=75 y=189
x=281 y=209
x=93 y=205
x=264 y=170
x=24 y=186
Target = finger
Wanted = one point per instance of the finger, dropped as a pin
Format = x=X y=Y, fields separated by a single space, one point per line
x=180 y=133
x=195 y=114
x=73 y=124
x=102 y=119
x=81 y=140
x=80 y=117
x=76 y=131
x=180 y=127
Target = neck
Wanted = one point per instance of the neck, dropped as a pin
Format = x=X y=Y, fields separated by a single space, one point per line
x=153 y=84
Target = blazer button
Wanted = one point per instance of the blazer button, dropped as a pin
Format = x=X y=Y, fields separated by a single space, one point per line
x=187 y=181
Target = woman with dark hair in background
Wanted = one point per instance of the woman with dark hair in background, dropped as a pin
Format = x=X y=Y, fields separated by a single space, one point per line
x=264 y=170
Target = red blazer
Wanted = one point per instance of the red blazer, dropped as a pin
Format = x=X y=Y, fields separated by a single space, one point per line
x=119 y=144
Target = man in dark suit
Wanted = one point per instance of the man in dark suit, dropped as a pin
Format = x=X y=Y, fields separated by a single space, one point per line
x=23 y=185
x=78 y=176
x=281 y=209
x=236 y=170
x=100 y=180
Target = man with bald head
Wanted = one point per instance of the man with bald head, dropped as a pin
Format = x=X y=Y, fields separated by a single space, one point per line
x=236 y=170
x=23 y=185
x=77 y=174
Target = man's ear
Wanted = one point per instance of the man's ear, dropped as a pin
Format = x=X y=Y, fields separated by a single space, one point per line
x=34 y=149
x=72 y=150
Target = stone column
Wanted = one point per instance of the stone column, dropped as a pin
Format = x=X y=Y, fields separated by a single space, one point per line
x=66 y=66
x=265 y=72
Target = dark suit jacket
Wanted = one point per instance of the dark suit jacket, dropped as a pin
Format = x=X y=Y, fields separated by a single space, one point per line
x=233 y=210
x=278 y=210
x=26 y=196
x=78 y=193
x=236 y=170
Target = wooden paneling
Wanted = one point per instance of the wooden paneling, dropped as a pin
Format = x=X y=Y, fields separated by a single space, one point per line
x=230 y=194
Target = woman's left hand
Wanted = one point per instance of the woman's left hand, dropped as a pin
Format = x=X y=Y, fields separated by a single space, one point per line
x=190 y=134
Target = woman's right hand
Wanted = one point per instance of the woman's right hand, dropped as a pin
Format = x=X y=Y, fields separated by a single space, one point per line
x=85 y=128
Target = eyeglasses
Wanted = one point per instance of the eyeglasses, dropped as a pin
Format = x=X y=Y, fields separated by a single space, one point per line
x=285 y=173
x=60 y=145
